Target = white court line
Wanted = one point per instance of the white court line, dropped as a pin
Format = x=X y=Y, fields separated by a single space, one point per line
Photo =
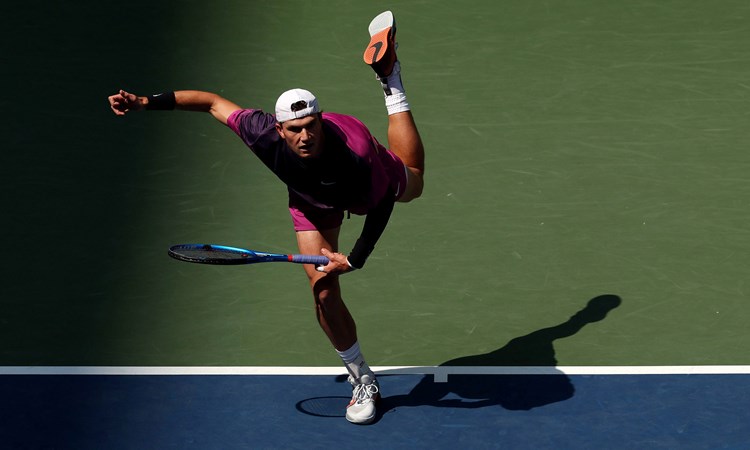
x=440 y=373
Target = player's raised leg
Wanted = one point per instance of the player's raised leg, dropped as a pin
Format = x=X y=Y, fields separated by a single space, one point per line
x=404 y=141
x=403 y=136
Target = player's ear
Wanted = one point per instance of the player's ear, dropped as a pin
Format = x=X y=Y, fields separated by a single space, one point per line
x=280 y=130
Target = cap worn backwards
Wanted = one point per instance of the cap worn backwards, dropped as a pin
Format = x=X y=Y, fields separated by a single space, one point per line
x=296 y=104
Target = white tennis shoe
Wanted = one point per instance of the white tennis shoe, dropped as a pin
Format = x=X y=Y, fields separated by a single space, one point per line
x=365 y=397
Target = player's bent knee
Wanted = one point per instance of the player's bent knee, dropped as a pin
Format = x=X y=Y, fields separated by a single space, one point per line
x=414 y=185
x=326 y=290
x=418 y=188
x=324 y=296
x=410 y=195
x=328 y=301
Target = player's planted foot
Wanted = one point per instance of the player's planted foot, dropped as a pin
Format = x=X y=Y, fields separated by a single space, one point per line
x=365 y=397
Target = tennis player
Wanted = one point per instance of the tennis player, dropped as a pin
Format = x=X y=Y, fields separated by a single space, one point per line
x=331 y=165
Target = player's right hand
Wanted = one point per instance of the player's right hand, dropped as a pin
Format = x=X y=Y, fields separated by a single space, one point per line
x=123 y=102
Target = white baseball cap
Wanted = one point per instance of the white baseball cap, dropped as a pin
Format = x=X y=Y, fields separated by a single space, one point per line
x=296 y=104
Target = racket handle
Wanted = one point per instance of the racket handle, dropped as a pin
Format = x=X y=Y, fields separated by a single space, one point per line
x=309 y=259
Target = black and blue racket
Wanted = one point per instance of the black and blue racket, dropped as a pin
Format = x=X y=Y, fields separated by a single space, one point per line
x=222 y=254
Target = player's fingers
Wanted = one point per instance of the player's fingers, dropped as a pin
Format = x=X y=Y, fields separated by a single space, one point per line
x=328 y=254
x=116 y=105
x=126 y=97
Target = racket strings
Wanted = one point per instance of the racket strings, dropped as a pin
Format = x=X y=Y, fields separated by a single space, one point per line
x=214 y=254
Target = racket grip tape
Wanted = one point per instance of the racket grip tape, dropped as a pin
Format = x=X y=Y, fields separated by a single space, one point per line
x=309 y=259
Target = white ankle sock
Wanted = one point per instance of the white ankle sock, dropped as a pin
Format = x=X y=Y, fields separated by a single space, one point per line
x=354 y=361
x=396 y=103
x=395 y=97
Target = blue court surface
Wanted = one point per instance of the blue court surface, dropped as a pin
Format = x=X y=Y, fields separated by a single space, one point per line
x=472 y=411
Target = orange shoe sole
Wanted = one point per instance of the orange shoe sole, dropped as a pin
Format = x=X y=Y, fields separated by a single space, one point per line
x=377 y=48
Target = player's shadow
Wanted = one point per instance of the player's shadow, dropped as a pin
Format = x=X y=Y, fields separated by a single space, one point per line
x=513 y=392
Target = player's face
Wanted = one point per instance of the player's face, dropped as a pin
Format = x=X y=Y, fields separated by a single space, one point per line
x=304 y=136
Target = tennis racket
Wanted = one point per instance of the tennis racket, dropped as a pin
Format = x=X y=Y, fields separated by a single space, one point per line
x=221 y=254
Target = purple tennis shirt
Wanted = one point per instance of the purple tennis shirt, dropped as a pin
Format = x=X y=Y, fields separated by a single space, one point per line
x=354 y=172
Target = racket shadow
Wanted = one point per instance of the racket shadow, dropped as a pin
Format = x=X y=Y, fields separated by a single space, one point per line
x=512 y=392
